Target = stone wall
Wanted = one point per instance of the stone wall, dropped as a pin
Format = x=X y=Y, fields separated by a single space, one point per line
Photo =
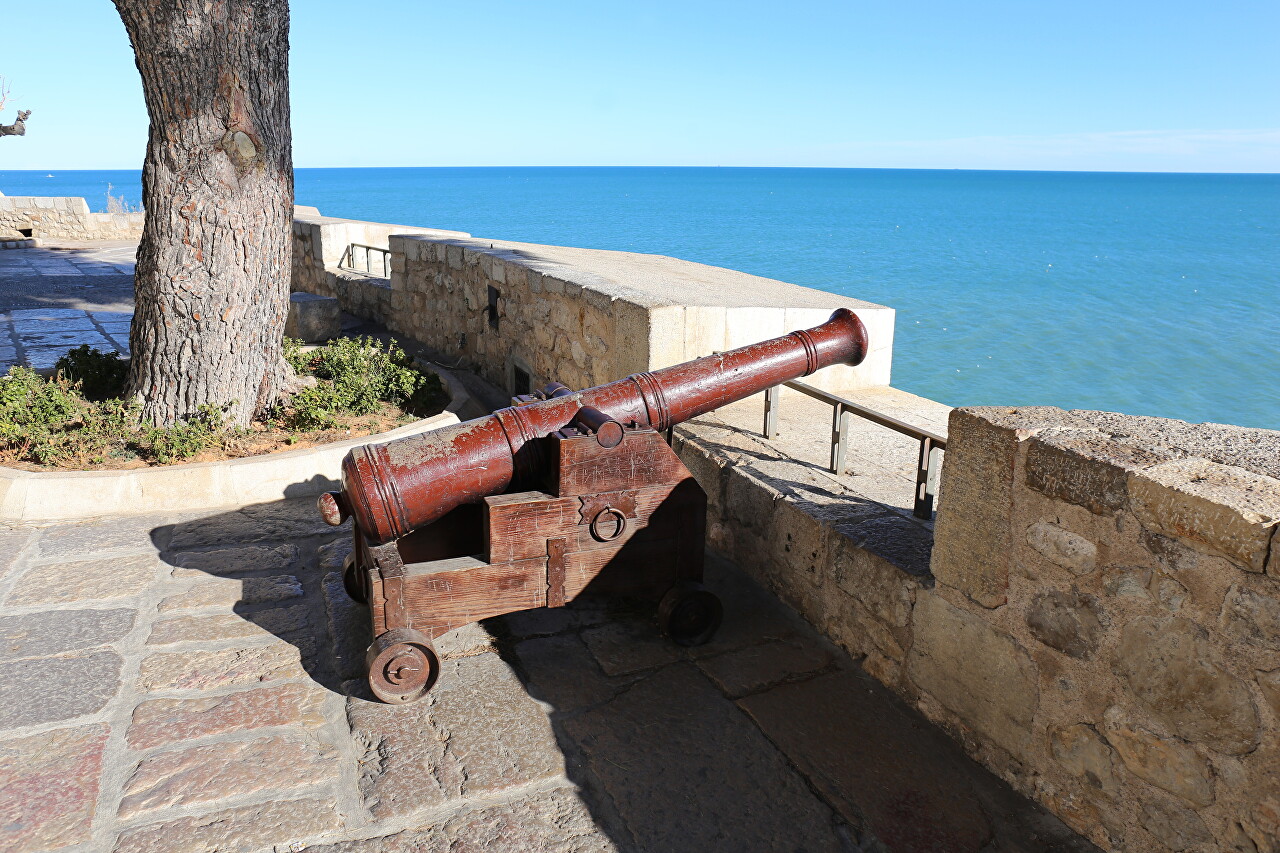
x=1099 y=621
x=63 y=218
x=517 y=311
x=1105 y=628
x=319 y=243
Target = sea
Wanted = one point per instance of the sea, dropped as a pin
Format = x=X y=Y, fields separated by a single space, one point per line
x=1144 y=293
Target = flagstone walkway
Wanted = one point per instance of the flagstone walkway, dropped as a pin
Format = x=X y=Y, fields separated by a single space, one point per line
x=192 y=683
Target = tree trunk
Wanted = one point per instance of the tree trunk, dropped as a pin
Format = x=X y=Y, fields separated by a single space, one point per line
x=212 y=279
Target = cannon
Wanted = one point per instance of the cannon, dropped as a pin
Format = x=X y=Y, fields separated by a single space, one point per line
x=562 y=494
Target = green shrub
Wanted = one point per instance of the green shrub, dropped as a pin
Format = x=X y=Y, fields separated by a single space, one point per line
x=198 y=432
x=48 y=421
x=357 y=375
x=101 y=375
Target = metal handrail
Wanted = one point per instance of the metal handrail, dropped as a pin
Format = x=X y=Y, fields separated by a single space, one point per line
x=348 y=261
x=931 y=443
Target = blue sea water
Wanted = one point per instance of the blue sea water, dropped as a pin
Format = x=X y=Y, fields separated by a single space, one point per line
x=1142 y=293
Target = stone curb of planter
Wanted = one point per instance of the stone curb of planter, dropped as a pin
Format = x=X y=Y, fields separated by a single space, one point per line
x=32 y=496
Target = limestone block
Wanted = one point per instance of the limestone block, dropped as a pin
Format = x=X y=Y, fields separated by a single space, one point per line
x=705 y=330
x=1082 y=752
x=975 y=670
x=1270 y=684
x=1061 y=547
x=744 y=326
x=973 y=544
x=1230 y=511
x=1170 y=765
x=1169 y=667
x=1175 y=826
x=1251 y=617
x=1069 y=622
x=313 y=318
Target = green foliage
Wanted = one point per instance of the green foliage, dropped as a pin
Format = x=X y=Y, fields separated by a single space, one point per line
x=356 y=376
x=192 y=435
x=77 y=416
x=101 y=375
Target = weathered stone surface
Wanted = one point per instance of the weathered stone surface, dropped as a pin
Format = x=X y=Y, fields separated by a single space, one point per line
x=332 y=554
x=879 y=586
x=880 y=768
x=1176 y=827
x=1251 y=617
x=228 y=592
x=551 y=822
x=904 y=544
x=203 y=774
x=1226 y=509
x=49 y=788
x=979 y=673
x=85 y=580
x=973 y=540
x=562 y=673
x=476 y=732
x=45 y=690
x=754 y=668
x=622 y=647
x=280 y=520
x=744 y=796
x=203 y=670
x=1086 y=468
x=313 y=318
x=1270 y=684
x=254 y=827
x=240 y=559
x=91 y=538
x=1168 y=764
x=225 y=626
x=463 y=641
x=350 y=627
x=1169 y=666
x=160 y=721
x=1063 y=548
x=59 y=631
x=12 y=545
x=1083 y=753
x=1069 y=622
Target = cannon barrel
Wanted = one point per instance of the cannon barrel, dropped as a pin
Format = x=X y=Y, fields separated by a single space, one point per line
x=392 y=489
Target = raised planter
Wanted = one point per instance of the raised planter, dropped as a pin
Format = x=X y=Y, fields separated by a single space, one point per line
x=63 y=495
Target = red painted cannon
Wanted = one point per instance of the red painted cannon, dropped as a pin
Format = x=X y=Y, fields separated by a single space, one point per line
x=564 y=493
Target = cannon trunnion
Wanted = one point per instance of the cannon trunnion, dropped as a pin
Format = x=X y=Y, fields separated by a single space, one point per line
x=563 y=494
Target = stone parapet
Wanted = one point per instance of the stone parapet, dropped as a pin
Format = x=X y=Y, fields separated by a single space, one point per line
x=522 y=315
x=1105 y=627
x=63 y=218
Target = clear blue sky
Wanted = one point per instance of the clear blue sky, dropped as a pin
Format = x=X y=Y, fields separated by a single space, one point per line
x=1117 y=85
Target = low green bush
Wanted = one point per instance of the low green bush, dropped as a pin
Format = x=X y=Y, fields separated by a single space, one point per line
x=356 y=375
x=78 y=417
x=101 y=375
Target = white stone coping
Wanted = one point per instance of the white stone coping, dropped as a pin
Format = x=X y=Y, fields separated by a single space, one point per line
x=33 y=496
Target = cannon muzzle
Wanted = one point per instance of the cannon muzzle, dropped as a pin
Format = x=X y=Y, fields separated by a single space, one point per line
x=391 y=489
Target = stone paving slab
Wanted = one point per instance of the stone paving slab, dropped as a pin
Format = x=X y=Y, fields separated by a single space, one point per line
x=170 y=683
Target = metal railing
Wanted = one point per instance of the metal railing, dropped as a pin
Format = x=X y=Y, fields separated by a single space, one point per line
x=928 y=465
x=360 y=258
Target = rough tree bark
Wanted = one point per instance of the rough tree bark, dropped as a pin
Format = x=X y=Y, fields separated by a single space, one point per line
x=212 y=278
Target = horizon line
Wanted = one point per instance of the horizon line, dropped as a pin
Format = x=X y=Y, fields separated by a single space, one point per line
x=50 y=169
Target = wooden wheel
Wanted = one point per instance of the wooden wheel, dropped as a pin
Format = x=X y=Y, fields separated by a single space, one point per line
x=403 y=666
x=355 y=580
x=690 y=613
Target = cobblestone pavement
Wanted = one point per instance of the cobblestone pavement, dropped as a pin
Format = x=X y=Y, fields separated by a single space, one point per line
x=59 y=297
x=192 y=683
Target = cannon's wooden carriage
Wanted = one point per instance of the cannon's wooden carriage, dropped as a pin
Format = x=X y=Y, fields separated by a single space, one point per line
x=589 y=530
x=562 y=494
